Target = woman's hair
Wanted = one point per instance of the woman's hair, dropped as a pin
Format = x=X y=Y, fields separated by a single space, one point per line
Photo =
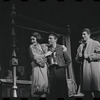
x=38 y=36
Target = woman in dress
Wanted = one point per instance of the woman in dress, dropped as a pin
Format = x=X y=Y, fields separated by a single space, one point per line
x=38 y=54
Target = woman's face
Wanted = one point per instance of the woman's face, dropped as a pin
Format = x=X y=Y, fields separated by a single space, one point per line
x=33 y=40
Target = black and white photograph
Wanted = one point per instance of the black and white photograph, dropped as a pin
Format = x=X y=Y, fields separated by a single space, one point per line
x=50 y=49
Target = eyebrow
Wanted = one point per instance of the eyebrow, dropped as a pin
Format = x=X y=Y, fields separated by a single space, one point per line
x=83 y=33
x=32 y=38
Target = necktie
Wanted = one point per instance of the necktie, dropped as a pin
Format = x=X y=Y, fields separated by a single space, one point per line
x=84 y=47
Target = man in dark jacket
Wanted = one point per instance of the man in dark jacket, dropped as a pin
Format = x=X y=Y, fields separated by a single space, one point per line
x=59 y=61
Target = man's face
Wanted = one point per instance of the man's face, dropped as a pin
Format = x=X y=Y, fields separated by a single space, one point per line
x=85 y=36
x=52 y=39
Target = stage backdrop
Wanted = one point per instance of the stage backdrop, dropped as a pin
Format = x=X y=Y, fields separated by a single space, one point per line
x=95 y=34
x=23 y=28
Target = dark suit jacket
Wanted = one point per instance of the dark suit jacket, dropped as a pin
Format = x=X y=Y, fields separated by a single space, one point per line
x=62 y=57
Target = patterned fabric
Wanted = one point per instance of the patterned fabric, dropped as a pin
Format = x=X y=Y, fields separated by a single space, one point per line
x=39 y=69
x=39 y=80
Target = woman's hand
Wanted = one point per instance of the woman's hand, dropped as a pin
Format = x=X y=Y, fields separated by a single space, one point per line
x=48 y=53
x=64 y=48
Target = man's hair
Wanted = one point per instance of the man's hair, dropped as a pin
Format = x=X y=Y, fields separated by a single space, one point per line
x=87 y=30
x=54 y=34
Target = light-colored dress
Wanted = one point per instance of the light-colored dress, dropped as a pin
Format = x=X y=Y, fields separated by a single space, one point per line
x=91 y=67
x=39 y=69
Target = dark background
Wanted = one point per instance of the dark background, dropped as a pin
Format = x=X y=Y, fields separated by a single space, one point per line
x=76 y=14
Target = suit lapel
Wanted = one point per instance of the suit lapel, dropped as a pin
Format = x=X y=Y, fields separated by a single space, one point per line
x=89 y=47
x=51 y=49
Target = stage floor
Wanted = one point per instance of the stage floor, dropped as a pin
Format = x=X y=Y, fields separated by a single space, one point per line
x=23 y=88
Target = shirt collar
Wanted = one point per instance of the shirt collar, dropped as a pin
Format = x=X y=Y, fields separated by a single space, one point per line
x=88 y=40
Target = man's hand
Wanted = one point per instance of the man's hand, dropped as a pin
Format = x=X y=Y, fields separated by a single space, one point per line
x=86 y=56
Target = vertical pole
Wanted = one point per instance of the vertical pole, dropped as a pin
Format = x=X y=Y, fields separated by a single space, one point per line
x=67 y=43
x=14 y=60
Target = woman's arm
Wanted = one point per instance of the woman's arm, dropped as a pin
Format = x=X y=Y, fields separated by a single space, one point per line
x=39 y=59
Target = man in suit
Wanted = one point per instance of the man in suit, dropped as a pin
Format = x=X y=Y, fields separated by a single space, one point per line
x=88 y=54
x=59 y=61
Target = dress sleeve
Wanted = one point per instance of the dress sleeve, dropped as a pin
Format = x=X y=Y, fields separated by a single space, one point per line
x=45 y=48
x=37 y=58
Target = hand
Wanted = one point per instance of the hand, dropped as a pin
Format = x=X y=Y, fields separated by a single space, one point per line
x=48 y=53
x=85 y=56
x=64 y=48
x=80 y=54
